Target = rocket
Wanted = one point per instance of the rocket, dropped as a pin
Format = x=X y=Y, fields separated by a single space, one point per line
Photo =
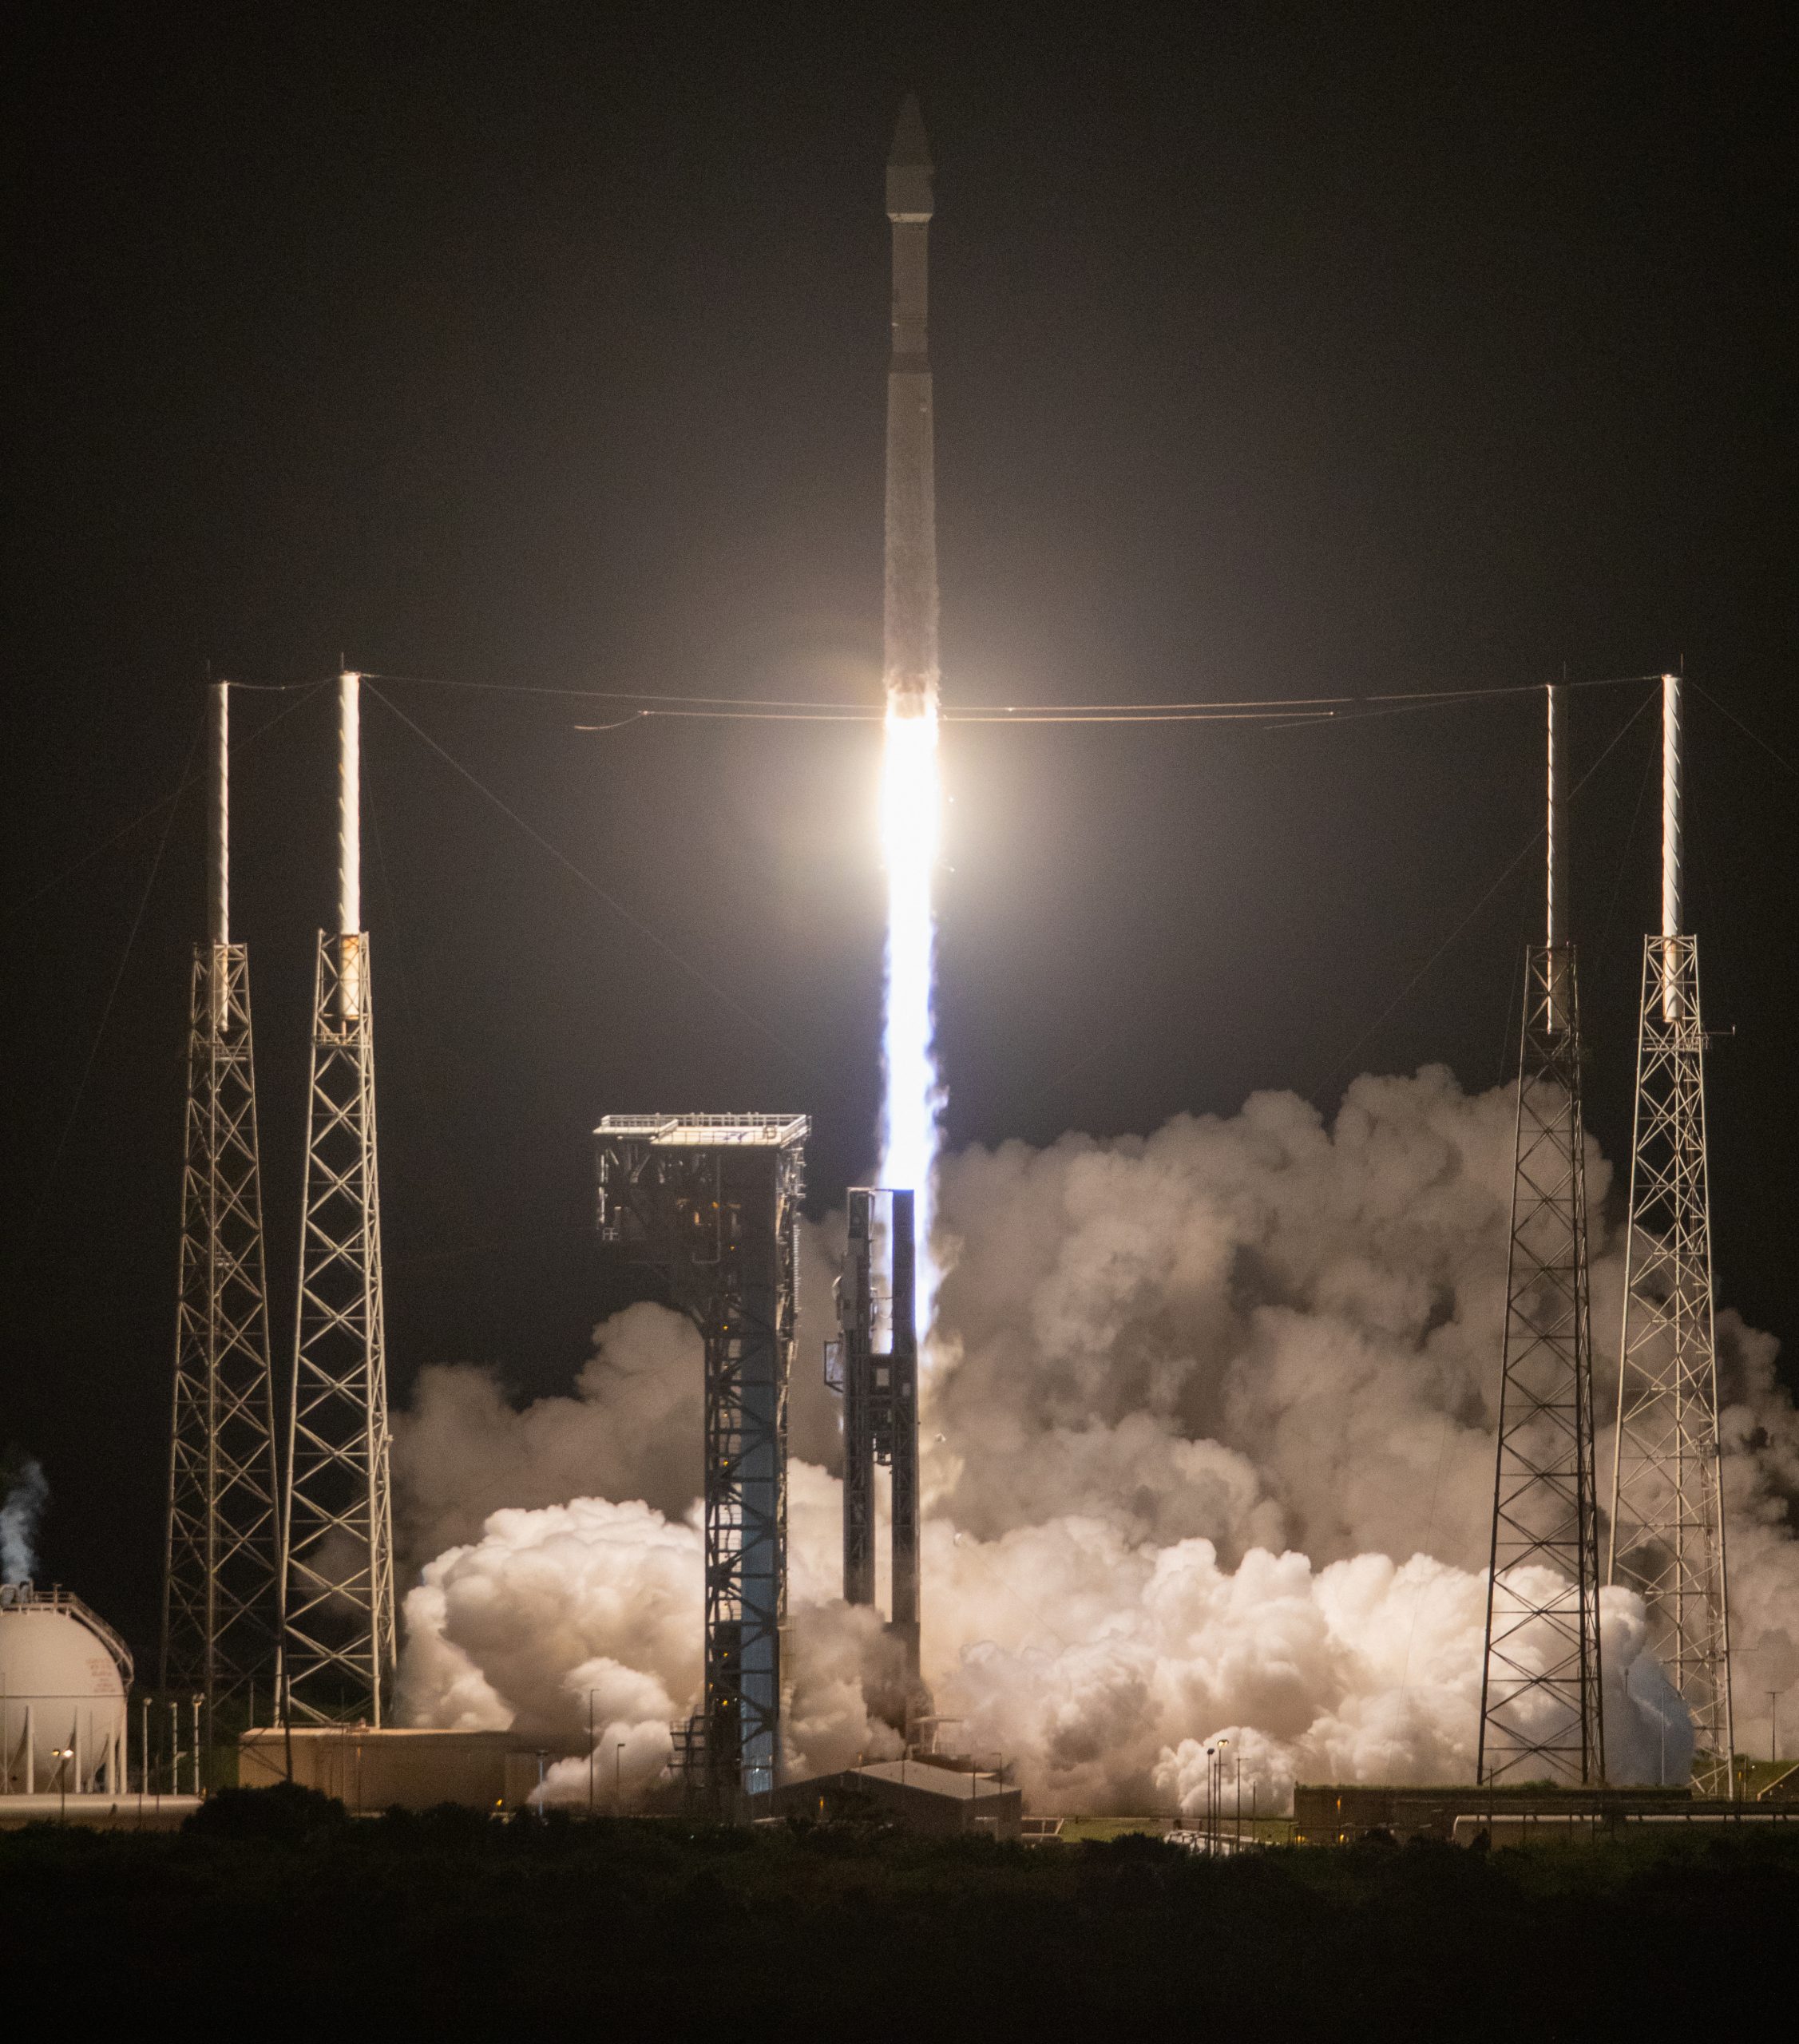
x=911 y=656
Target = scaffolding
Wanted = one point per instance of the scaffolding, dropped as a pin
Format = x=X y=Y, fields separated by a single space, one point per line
x=338 y=1614
x=710 y=1202
x=219 y=1629
x=1540 y=1712
x=1667 y=1514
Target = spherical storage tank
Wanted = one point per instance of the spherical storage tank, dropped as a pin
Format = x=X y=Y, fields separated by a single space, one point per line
x=64 y=1674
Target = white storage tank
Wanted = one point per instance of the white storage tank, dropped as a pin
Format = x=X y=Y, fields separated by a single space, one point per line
x=64 y=1675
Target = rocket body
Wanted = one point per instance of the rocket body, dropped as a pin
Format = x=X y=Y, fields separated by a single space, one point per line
x=911 y=649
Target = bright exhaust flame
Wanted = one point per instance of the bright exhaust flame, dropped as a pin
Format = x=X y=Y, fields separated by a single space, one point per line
x=912 y=1093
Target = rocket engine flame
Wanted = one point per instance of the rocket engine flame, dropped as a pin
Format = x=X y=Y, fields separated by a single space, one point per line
x=912 y=1090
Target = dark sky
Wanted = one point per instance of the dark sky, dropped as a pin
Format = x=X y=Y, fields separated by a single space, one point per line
x=1279 y=351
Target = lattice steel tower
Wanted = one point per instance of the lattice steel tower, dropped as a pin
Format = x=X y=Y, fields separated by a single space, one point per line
x=220 y=1623
x=1540 y=1688
x=711 y=1203
x=337 y=1529
x=1667 y=1510
x=873 y=1365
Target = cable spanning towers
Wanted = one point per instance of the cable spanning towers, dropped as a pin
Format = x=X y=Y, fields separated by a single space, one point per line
x=220 y=1623
x=338 y=1617
x=873 y=1364
x=1540 y=1689
x=711 y=1203
x=1667 y=1512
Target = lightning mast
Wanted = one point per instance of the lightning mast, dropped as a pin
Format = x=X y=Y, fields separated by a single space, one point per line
x=1539 y=1687
x=220 y=1628
x=1667 y=1511
x=338 y=1618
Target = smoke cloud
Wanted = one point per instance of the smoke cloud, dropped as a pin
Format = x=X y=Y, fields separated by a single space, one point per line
x=1208 y=1452
x=27 y=1493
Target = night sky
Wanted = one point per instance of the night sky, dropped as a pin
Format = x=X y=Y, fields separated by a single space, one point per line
x=1279 y=351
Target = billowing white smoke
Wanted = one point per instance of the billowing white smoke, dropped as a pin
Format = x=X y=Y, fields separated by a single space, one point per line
x=1208 y=1453
x=28 y=1492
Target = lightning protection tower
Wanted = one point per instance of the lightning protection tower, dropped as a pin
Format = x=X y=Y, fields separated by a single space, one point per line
x=873 y=1366
x=338 y=1621
x=1539 y=1689
x=711 y=1203
x=219 y=1629
x=1667 y=1511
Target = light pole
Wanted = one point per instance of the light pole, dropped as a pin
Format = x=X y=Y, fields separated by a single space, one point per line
x=1218 y=1807
x=1774 y=1728
x=618 y=1777
x=64 y=1754
x=1209 y=1752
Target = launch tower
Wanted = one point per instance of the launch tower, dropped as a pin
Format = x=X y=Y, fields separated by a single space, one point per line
x=219 y=1628
x=711 y=1203
x=873 y=1364
x=1667 y=1511
x=1540 y=1688
x=338 y=1619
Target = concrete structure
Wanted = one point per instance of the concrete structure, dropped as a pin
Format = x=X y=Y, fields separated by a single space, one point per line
x=369 y=1771
x=912 y=1795
x=64 y=1675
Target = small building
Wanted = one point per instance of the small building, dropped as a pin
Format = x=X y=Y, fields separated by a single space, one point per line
x=408 y=1767
x=914 y=1795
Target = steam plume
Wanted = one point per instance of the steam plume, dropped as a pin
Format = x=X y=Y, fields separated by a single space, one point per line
x=1208 y=1452
x=27 y=1494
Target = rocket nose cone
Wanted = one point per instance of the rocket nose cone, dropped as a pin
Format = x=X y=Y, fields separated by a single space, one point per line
x=910 y=145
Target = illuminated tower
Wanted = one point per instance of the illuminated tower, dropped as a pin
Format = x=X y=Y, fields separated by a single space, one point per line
x=1667 y=1510
x=337 y=1526
x=1539 y=1687
x=875 y=1365
x=710 y=1202
x=220 y=1624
